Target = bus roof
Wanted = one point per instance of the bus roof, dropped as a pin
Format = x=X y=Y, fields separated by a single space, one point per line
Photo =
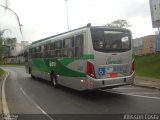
x=88 y=25
x=44 y=39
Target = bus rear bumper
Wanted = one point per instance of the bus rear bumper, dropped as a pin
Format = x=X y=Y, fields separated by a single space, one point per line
x=110 y=82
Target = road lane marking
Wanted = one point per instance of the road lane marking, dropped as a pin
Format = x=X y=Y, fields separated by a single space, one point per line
x=128 y=88
x=44 y=112
x=23 y=92
x=146 y=93
x=4 y=101
x=41 y=109
x=37 y=106
x=128 y=94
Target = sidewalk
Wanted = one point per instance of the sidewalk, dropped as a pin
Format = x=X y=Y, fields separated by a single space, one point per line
x=147 y=82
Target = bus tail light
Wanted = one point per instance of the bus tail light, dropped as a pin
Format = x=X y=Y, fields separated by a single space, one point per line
x=90 y=70
x=83 y=81
x=132 y=67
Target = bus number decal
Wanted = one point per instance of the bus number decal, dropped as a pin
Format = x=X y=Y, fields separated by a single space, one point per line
x=52 y=64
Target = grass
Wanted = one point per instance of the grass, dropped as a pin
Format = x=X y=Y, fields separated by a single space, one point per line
x=148 y=66
x=1 y=73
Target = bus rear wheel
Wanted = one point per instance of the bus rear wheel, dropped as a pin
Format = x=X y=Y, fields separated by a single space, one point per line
x=30 y=71
x=54 y=80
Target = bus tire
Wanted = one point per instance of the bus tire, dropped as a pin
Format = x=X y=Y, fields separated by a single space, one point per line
x=32 y=76
x=30 y=71
x=54 y=79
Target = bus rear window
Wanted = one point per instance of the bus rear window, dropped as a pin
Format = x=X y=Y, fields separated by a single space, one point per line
x=110 y=40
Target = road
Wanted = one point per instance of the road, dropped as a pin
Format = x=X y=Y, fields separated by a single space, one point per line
x=38 y=98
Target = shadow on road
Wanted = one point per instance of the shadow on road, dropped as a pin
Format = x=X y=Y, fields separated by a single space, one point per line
x=88 y=94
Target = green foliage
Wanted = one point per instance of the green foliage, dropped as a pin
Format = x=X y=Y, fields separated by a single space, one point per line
x=0 y=43
x=148 y=66
x=1 y=40
x=1 y=47
x=1 y=73
x=119 y=23
x=10 y=41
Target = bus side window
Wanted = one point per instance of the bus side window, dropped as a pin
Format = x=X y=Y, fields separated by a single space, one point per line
x=26 y=55
x=33 y=52
x=68 y=45
x=30 y=52
x=42 y=51
x=79 y=46
x=48 y=52
x=52 y=46
x=58 y=47
x=45 y=51
x=38 y=51
x=42 y=48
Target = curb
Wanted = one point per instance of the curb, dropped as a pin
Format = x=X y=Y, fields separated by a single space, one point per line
x=147 y=82
x=147 y=79
x=1 y=82
x=144 y=86
x=5 y=75
x=1 y=78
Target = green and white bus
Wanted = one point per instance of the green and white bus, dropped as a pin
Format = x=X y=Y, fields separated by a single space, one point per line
x=90 y=57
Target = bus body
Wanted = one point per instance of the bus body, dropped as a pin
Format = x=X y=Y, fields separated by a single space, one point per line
x=84 y=59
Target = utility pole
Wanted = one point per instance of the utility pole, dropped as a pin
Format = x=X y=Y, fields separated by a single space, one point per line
x=67 y=15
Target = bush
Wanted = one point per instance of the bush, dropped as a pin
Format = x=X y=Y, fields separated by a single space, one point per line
x=1 y=73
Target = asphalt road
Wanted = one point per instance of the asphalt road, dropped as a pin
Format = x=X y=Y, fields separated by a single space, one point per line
x=38 y=99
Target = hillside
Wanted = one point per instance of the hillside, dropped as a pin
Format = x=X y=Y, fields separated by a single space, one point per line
x=148 y=66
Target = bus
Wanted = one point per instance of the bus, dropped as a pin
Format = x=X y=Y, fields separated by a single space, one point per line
x=87 y=58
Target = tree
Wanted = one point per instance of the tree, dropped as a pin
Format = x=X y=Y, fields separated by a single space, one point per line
x=1 y=40
x=119 y=23
x=10 y=41
x=5 y=3
x=1 y=47
x=4 y=50
x=0 y=44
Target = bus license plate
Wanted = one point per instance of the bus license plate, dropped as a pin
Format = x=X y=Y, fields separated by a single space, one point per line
x=118 y=69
